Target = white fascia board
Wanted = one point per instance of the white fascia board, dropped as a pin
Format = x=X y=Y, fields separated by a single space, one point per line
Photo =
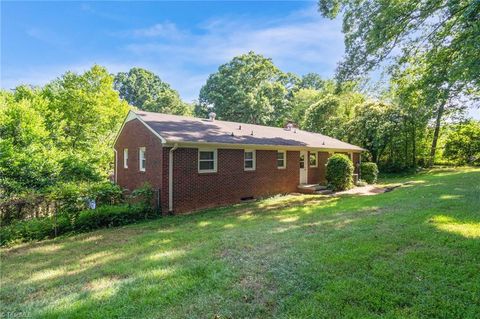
x=255 y=147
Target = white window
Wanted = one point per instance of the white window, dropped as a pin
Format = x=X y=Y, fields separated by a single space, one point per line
x=281 y=160
x=141 y=158
x=125 y=158
x=249 y=160
x=312 y=159
x=207 y=161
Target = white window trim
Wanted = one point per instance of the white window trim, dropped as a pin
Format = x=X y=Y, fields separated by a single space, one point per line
x=125 y=158
x=316 y=159
x=215 y=160
x=284 y=160
x=140 y=149
x=254 y=159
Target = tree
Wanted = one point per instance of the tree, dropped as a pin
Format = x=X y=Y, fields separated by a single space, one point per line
x=83 y=116
x=376 y=30
x=442 y=36
x=375 y=126
x=249 y=89
x=322 y=116
x=312 y=81
x=146 y=91
x=27 y=158
x=463 y=143
x=327 y=113
x=301 y=101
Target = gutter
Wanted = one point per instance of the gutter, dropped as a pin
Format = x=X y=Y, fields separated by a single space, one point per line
x=170 y=178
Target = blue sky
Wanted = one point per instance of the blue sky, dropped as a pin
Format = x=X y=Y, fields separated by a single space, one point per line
x=182 y=42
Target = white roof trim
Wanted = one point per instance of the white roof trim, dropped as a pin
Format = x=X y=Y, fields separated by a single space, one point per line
x=133 y=116
x=257 y=147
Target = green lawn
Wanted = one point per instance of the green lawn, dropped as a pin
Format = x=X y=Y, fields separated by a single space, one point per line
x=413 y=252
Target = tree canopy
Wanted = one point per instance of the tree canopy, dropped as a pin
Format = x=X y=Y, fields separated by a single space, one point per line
x=146 y=91
x=437 y=40
x=59 y=133
x=463 y=143
x=249 y=89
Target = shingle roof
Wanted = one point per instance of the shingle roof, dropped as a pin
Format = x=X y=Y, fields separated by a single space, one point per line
x=176 y=129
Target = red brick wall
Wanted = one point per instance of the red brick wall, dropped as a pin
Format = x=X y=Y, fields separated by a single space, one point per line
x=193 y=190
x=133 y=136
x=356 y=162
x=322 y=162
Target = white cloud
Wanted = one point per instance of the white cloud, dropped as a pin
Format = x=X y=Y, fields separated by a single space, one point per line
x=166 y=30
x=300 y=42
x=289 y=43
x=159 y=29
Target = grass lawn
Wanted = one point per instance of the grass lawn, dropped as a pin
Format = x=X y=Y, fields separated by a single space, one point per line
x=413 y=252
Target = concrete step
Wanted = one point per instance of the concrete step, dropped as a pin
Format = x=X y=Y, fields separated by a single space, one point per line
x=310 y=188
x=324 y=192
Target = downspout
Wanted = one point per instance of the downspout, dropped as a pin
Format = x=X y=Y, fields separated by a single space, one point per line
x=115 y=169
x=170 y=177
x=359 y=166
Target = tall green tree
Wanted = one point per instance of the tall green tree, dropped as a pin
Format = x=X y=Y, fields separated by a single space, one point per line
x=376 y=125
x=331 y=114
x=28 y=158
x=249 y=89
x=442 y=36
x=312 y=81
x=83 y=116
x=146 y=91
x=463 y=143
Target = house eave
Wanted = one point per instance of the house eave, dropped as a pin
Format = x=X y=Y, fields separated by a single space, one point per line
x=258 y=146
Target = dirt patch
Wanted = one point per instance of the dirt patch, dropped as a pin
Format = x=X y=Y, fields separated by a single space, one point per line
x=365 y=190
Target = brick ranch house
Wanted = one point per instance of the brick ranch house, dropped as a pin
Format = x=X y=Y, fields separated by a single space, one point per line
x=195 y=163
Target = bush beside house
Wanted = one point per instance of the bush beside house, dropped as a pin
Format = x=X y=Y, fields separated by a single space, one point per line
x=369 y=172
x=339 y=172
x=73 y=221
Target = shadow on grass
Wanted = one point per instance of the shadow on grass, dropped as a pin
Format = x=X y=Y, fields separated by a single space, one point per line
x=261 y=259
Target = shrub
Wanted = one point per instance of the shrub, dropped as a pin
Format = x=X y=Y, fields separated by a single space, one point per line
x=143 y=195
x=106 y=193
x=69 y=197
x=339 y=172
x=369 y=172
x=104 y=216
x=110 y=216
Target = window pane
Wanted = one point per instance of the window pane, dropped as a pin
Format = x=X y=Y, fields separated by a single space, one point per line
x=280 y=155
x=248 y=164
x=313 y=159
x=206 y=155
x=248 y=155
x=280 y=163
x=206 y=165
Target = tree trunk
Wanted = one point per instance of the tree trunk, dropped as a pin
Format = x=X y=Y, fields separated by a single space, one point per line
x=438 y=121
x=414 y=146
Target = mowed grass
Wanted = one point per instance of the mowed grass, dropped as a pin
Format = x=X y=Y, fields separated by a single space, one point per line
x=413 y=252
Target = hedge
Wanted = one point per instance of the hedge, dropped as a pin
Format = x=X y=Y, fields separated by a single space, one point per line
x=339 y=172
x=369 y=172
x=49 y=227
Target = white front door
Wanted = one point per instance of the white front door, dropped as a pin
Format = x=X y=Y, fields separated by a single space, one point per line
x=303 y=167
